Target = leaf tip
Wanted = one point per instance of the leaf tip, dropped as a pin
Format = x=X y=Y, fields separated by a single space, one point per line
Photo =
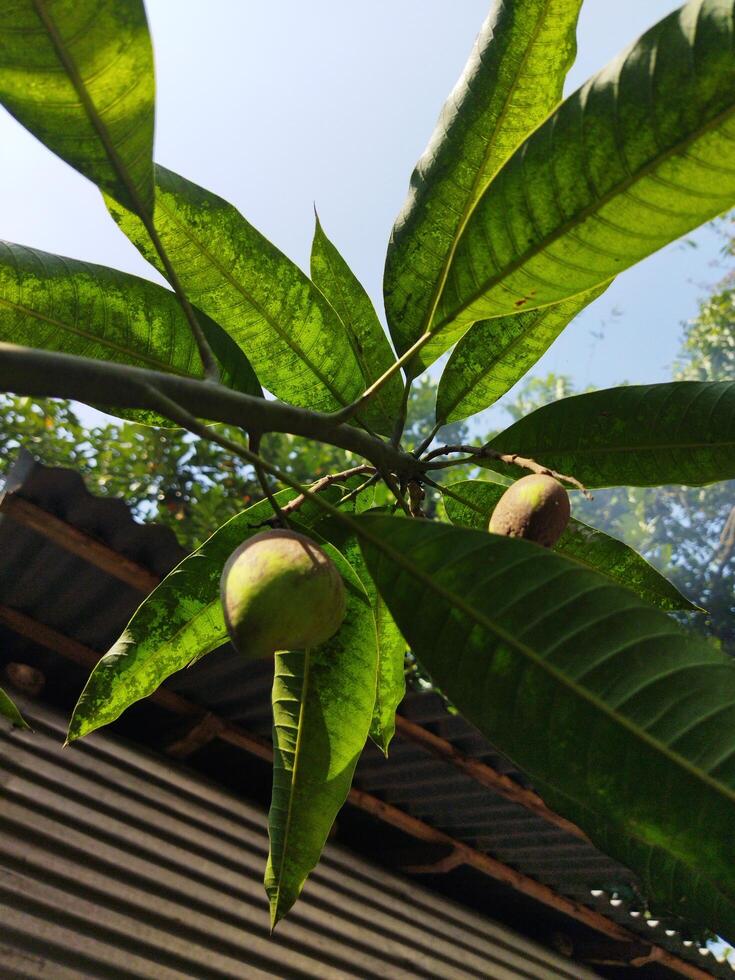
x=74 y=732
x=275 y=916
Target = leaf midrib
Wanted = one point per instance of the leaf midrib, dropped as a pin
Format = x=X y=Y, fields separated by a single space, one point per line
x=357 y=348
x=581 y=216
x=470 y=204
x=644 y=448
x=584 y=693
x=100 y=339
x=291 y=789
x=89 y=107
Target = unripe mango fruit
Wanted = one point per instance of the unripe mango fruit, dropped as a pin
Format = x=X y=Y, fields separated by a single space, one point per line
x=280 y=591
x=535 y=507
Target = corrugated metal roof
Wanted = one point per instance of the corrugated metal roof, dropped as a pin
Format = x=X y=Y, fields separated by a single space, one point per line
x=115 y=863
x=66 y=593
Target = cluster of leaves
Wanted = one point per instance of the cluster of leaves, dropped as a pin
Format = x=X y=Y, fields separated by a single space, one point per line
x=520 y=213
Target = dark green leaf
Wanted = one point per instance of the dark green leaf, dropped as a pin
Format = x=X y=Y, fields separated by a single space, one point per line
x=79 y=76
x=322 y=705
x=494 y=354
x=337 y=281
x=59 y=304
x=471 y=502
x=391 y=686
x=638 y=435
x=602 y=699
x=640 y=155
x=296 y=342
x=179 y=622
x=8 y=710
x=513 y=79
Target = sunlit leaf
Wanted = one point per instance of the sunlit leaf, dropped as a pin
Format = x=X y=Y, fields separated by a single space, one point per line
x=495 y=354
x=337 y=281
x=79 y=75
x=513 y=79
x=296 y=342
x=640 y=155
x=60 y=304
x=322 y=706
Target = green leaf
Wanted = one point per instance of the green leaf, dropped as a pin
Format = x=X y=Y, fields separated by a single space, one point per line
x=60 y=304
x=296 y=342
x=638 y=435
x=640 y=155
x=8 y=710
x=495 y=354
x=179 y=622
x=471 y=502
x=602 y=699
x=322 y=705
x=331 y=274
x=391 y=686
x=79 y=76
x=513 y=79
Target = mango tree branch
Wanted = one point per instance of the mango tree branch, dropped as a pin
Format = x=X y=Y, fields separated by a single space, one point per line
x=431 y=462
x=322 y=484
x=47 y=374
x=177 y=413
x=209 y=361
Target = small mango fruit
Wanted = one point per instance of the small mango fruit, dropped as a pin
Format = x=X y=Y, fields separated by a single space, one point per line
x=280 y=591
x=535 y=507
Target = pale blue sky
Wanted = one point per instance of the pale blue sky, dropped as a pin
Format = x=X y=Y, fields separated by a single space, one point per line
x=276 y=104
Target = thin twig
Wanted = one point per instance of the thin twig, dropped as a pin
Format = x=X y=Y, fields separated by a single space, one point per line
x=511 y=459
x=280 y=516
x=177 y=413
x=358 y=490
x=446 y=450
x=726 y=543
x=392 y=485
x=448 y=492
x=322 y=484
x=444 y=464
x=420 y=449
